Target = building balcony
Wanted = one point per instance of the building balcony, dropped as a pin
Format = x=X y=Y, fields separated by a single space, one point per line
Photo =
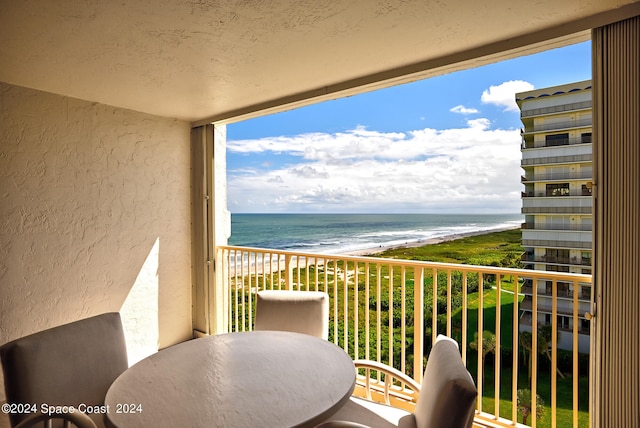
x=560 y=290
x=552 y=155
x=391 y=310
x=557 y=176
x=556 y=263
x=532 y=194
x=557 y=205
x=579 y=240
x=560 y=126
x=584 y=227
x=545 y=306
x=563 y=142
x=544 y=111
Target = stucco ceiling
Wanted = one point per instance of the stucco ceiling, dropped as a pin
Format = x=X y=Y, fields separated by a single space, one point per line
x=214 y=59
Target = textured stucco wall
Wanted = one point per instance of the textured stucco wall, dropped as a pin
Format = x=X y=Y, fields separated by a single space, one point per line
x=94 y=217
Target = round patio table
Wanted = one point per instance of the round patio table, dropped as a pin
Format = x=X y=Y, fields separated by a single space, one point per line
x=250 y=379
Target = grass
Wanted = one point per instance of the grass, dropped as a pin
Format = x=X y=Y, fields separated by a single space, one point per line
x=489 y=249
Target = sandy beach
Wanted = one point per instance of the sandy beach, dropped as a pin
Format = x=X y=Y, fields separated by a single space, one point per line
x=259 y=268
x=421 y=242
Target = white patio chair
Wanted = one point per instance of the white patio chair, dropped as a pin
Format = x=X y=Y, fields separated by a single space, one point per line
x=297 y=311
x=68 y=365
x=446 y=398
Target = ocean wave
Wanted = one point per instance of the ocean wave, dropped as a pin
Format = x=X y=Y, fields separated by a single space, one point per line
x=345 y=233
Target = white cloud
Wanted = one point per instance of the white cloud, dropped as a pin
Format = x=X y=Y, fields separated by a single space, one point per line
x=481 y=123
x=504 y=95
x=306 y=171
x=471 y=169
x=463 y=110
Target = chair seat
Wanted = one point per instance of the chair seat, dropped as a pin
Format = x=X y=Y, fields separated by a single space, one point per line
x=374 y=414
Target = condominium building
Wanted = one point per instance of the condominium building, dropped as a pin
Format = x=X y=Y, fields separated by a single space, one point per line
x=557 y=202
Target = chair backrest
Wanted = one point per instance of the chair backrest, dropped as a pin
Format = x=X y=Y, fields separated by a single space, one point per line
x=67 y=365
x=297 y=311
x=448 y=395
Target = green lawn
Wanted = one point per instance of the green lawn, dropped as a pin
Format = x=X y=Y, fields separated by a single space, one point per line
x=491 y=249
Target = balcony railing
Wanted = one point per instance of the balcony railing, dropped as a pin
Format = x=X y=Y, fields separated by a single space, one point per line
x=391 y=310
x=575 y=192
x=550 y=176
x=582 y=105
x=556 y=126
x=526 y=144
x=582 y=227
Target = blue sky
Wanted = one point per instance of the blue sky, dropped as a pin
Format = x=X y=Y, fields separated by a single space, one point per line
x=449 y=144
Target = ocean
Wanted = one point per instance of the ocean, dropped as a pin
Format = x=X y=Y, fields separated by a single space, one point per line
x=348 y=233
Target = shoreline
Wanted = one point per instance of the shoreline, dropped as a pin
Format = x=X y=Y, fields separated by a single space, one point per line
x=424 y=242
x=312 y=258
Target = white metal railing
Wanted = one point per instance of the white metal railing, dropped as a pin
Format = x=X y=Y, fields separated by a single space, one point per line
x=581 y=227
x=526 y=144
x=391 y=310
x=582 y=105
x=584 y=122
x=562 y=175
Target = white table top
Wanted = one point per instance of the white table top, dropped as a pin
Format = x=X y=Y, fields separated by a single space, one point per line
x=253 y=379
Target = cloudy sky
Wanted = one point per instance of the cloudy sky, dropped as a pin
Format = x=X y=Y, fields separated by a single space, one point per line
x=449 y=144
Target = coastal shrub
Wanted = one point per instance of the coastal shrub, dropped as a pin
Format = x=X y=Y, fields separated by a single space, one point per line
x=512 y=260
x=397 y=304
x=500 y=249
x=504 y=247
x=565 y=362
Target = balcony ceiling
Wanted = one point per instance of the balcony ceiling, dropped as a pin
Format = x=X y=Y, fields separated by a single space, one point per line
x=201 y=60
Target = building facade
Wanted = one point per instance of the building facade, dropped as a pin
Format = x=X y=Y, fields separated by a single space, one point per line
x=557 y=202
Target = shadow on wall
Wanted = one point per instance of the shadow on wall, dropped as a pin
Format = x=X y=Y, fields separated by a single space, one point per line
x=139 y=310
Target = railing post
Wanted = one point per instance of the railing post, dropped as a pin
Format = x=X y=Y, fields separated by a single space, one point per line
x=515 y=347
x=418 y=323
x=448 y=328
x=479 y=380
x=288 y=269
x=534 y=350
